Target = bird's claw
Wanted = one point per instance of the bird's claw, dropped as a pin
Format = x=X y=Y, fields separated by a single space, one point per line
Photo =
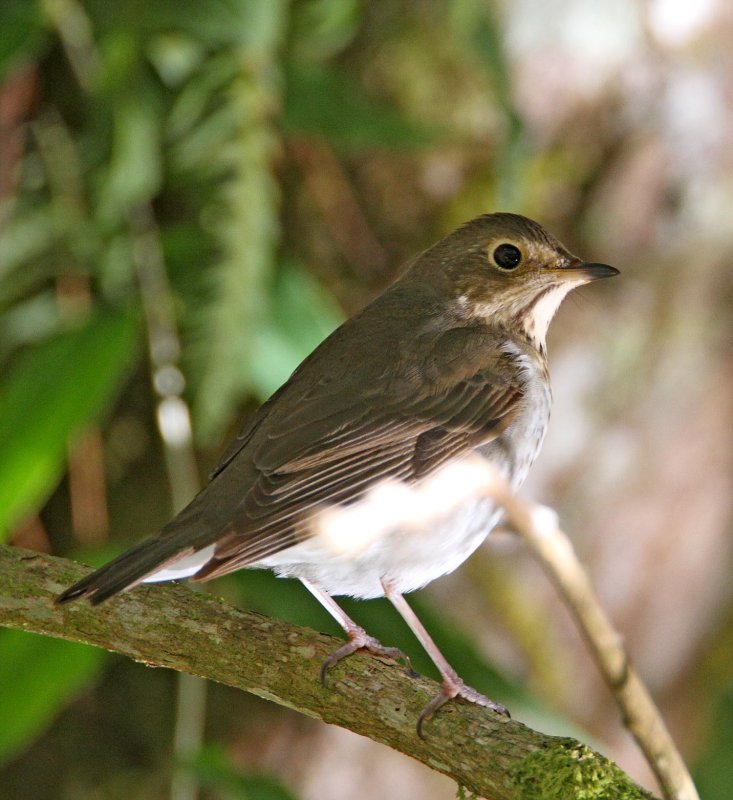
x=360 y=640
x=456 y=688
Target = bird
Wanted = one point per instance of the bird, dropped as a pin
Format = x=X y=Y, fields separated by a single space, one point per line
x=450 y=360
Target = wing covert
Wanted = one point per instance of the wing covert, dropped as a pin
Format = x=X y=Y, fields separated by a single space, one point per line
x=334 y=446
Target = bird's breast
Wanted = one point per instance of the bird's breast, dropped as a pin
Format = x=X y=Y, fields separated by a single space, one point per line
x=516 y=449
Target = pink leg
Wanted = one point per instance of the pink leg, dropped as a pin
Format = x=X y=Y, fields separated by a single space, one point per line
x=359 y=639
x=453 y=686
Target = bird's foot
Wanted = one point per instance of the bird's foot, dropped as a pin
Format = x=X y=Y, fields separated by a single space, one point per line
x=359 y=639
x=453 y=687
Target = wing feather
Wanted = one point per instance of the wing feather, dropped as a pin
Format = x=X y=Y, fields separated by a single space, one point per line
x=332 y=447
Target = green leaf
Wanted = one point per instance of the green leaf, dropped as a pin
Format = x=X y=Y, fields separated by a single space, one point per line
x=25 y=240
x=38 y=677
x=303 y=314
x=247 y=226
x=50 y=393
x=215 y=769
x=713 y=771
x=323 y=28
x=323 y=102
x=23 y=29
x=135 y=169
x=221 y=23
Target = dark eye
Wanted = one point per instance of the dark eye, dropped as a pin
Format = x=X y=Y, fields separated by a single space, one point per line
x=507 y=256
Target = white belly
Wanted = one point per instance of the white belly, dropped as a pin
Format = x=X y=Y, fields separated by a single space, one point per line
x=407 y=559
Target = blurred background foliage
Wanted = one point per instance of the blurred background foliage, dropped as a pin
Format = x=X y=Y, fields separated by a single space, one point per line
x=205 y=188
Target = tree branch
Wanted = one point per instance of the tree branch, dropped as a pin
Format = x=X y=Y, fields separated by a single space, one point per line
x=538 y=526
x=173 y=627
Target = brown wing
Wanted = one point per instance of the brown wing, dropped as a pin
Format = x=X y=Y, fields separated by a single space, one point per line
x=457 y=393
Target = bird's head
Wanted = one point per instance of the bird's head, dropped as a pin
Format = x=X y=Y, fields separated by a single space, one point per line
x=507 y=270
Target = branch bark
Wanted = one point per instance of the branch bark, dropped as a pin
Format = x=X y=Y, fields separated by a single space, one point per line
x=170 y=626
x=538 y=526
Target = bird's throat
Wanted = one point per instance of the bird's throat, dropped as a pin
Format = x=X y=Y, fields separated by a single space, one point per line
x=537 y=317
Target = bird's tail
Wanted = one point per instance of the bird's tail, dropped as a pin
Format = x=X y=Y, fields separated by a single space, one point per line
x=179 y=550
x=128 y=570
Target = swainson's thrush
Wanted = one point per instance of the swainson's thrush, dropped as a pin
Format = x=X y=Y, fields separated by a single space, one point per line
x=449 y=360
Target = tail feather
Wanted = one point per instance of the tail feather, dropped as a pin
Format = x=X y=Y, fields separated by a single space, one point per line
x=126 y=570
x=193 y=529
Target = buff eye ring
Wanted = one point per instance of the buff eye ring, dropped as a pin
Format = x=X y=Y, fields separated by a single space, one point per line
x=507 y=256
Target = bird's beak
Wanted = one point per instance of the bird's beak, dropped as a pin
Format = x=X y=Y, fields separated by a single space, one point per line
x=577 y=270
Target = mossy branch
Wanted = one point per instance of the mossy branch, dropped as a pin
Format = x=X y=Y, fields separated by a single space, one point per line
x=171 y=626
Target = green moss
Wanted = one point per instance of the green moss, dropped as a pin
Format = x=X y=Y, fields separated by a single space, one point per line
x=568 y=770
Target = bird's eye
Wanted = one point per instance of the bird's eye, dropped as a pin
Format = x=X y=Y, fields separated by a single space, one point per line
x=507 y=256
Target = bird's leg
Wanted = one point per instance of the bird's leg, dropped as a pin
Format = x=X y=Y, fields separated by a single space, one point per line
x=359 y=639
x=453 y=686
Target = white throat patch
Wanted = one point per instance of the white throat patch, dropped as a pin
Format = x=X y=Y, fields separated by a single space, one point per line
x=540 y=315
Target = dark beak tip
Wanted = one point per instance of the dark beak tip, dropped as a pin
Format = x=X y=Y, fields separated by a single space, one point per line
x=598 y=271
